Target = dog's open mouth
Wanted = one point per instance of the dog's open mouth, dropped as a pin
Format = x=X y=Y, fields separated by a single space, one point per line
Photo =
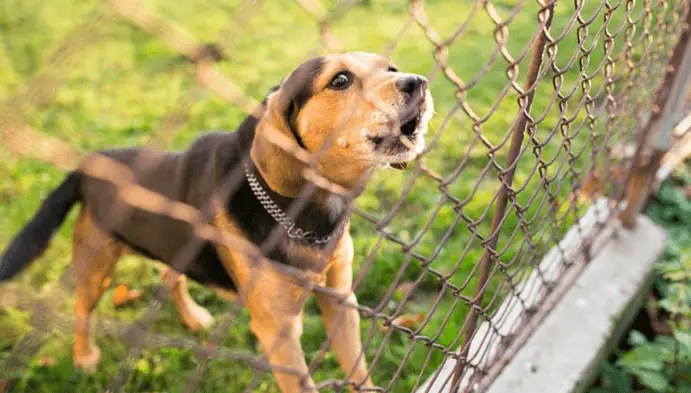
x=410 y=127
x=395 y=144
x=397 y=149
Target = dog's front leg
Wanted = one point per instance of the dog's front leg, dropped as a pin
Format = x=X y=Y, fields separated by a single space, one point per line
x=279 y=336
x=275 y=303
x=341 y=318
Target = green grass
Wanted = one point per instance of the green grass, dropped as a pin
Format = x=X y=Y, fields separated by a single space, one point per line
x=119 y=88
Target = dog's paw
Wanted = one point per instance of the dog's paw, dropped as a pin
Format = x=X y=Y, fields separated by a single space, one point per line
x=197 y=318
x=88 y=362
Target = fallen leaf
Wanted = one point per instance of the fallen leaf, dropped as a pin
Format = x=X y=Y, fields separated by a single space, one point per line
x=410 y=321
x=6 y=384
x=405 y=288
x=123 y=295
x=596 y=183
x=46 y=361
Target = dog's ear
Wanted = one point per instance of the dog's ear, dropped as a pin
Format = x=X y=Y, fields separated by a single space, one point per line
x=281 y=170
x=294 y=92
x=272 y=90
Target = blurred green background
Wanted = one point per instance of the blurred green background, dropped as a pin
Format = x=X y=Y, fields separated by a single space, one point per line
x=121 y=85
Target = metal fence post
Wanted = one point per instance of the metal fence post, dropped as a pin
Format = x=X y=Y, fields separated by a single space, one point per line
x=506 y=177
x=656 y=137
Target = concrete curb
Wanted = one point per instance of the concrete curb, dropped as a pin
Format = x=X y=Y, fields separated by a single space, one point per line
x=558 y=269
x=563 y=353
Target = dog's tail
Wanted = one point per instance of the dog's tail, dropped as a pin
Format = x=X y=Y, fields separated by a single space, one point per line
x=34 y=238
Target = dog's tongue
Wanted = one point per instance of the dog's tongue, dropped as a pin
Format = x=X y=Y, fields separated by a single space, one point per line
x=398 y=165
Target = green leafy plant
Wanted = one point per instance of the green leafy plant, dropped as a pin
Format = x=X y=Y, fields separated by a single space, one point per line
x=662 y=364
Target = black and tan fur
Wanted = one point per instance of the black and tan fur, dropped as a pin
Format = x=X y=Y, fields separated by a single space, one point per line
x=351 y=130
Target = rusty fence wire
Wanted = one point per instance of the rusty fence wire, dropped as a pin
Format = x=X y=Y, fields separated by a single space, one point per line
x=545 y=112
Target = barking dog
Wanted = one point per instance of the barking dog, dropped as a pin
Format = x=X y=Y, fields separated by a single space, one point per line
x=350 y=112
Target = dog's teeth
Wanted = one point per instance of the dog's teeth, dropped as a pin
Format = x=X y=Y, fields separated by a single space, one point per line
x=398 y=165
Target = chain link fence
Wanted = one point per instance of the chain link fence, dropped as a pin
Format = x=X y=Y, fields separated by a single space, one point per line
x=543 y=114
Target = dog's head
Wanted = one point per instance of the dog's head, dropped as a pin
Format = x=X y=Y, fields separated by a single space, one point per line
x=353 y=111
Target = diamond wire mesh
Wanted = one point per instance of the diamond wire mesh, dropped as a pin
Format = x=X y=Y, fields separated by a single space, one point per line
x=530 y=133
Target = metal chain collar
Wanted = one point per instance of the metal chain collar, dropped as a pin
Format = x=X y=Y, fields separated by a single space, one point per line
x=281 y=218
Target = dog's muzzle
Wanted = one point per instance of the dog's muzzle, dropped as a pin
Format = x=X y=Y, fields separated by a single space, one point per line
x=402 y=139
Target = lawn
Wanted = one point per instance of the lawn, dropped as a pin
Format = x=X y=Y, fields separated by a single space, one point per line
x=120 y=87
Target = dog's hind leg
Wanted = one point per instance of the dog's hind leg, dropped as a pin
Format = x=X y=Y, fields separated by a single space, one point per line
x=94 y=256
x=192 y=314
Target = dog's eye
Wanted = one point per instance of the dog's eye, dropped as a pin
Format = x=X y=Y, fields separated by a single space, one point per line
x=340 y=81
x=392 y=69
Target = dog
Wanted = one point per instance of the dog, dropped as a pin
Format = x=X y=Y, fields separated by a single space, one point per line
x=351 y=113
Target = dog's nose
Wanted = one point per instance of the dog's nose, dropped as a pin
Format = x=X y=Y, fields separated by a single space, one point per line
x=411 y=84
